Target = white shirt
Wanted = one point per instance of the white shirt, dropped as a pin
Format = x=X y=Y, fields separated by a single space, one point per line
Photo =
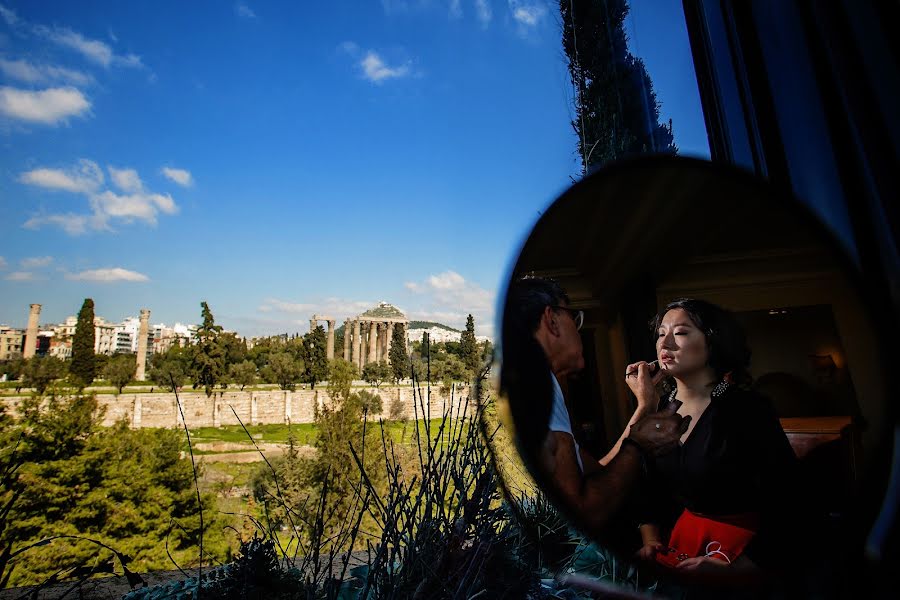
x=559 y=418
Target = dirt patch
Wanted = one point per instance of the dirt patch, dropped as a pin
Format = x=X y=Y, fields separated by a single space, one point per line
x=249 y=454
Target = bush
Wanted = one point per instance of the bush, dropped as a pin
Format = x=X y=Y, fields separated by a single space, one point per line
x=125 y=489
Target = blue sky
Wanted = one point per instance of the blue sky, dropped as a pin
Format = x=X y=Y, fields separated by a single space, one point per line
x=280 y=159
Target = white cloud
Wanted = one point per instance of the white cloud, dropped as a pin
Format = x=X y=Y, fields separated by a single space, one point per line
x=48 y=106
x=85 y=178
x=483 y=12
x=244 y=11
x=349 y=47
x=9 y=16
x=20 y=276
x=107 y=275
x=449 y=296
x=36 y=262
x=376 y=70
x=143 y=206
x=2 y=263
x=28 y=72
x=528 y=15
x=126 y=180
x=182 y=177
x=339 y=308
x=71 y=223
x=134 y=203
x=94 y=50
x=392 y=6
x=448 y=280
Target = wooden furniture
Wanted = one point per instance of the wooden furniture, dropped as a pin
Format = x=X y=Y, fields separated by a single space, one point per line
x=829 y=453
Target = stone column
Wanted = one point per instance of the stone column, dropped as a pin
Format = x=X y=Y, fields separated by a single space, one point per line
x=347 y=341
x=357 y=347
x=373 y=340
x=312 y=325
x=139 y=374
x=329 y=343
x=390 y=338
x=379 y=341
x=34 y=315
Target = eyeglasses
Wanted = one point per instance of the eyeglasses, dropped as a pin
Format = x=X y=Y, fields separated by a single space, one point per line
x=577 y=315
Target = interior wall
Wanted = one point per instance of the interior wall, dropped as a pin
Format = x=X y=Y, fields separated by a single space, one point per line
x=783 y=342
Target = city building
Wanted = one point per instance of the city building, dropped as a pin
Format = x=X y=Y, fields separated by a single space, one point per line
x=11 y=342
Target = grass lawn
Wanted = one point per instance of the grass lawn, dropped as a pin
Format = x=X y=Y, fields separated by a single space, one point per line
x=398 y=431
x=277 y=433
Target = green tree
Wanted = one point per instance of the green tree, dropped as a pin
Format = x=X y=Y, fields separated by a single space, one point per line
x=284 y=369
x=41 y=371
x=449 y=367
x=208 y=364
x=169 y=369
x=13 y=369
x=340 y=428
x=235 y=349
x=315 y=357
x=341 y=374
x=398 y=356
x=376 y=373
x=125 y=488
x=395 y=411
x=83 y=366
x=243 y=373
x=261 y=349
x=616 y=112
x=370 y=402
x=119 y=371
x=469 y=346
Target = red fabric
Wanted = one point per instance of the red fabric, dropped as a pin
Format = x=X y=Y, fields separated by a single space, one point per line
x=696 y=535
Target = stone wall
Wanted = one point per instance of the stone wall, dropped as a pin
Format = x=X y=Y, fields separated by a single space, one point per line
x=257 y=407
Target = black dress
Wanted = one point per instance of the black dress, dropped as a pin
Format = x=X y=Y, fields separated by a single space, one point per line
x=737 y=460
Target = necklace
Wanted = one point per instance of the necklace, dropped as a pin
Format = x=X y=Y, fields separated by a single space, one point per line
x=720 y=389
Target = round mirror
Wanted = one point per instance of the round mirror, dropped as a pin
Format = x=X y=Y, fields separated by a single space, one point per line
x=695 y=378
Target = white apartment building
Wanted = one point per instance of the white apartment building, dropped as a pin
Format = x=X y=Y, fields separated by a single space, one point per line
x=11 y=341
x=104 y=336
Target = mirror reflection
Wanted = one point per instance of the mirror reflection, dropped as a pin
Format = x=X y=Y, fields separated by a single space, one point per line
x=692 y=373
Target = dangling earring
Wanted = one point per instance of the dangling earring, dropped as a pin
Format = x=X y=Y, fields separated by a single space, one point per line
x=720 y=388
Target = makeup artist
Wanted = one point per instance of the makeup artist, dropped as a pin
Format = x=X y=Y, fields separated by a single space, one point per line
x=541 y=347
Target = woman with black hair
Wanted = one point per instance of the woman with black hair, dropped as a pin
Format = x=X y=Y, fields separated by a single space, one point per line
x=718 y=502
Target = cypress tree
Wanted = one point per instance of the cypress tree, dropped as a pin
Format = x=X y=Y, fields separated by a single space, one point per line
x=469 y=346
x=616 y=112
x=208 y=364
x=398 y=356
x=84 y=364
x=316 y=358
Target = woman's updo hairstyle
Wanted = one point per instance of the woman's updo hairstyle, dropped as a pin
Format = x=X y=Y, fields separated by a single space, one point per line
x=725 y=338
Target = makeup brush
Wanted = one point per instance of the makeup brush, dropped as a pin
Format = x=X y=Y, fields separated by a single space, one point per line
x=634 y=372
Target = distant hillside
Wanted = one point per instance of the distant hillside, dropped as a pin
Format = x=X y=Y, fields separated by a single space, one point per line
x=413 y=325
x=429 y=325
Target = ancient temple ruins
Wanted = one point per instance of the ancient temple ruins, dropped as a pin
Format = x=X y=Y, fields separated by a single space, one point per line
x=367 y=337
